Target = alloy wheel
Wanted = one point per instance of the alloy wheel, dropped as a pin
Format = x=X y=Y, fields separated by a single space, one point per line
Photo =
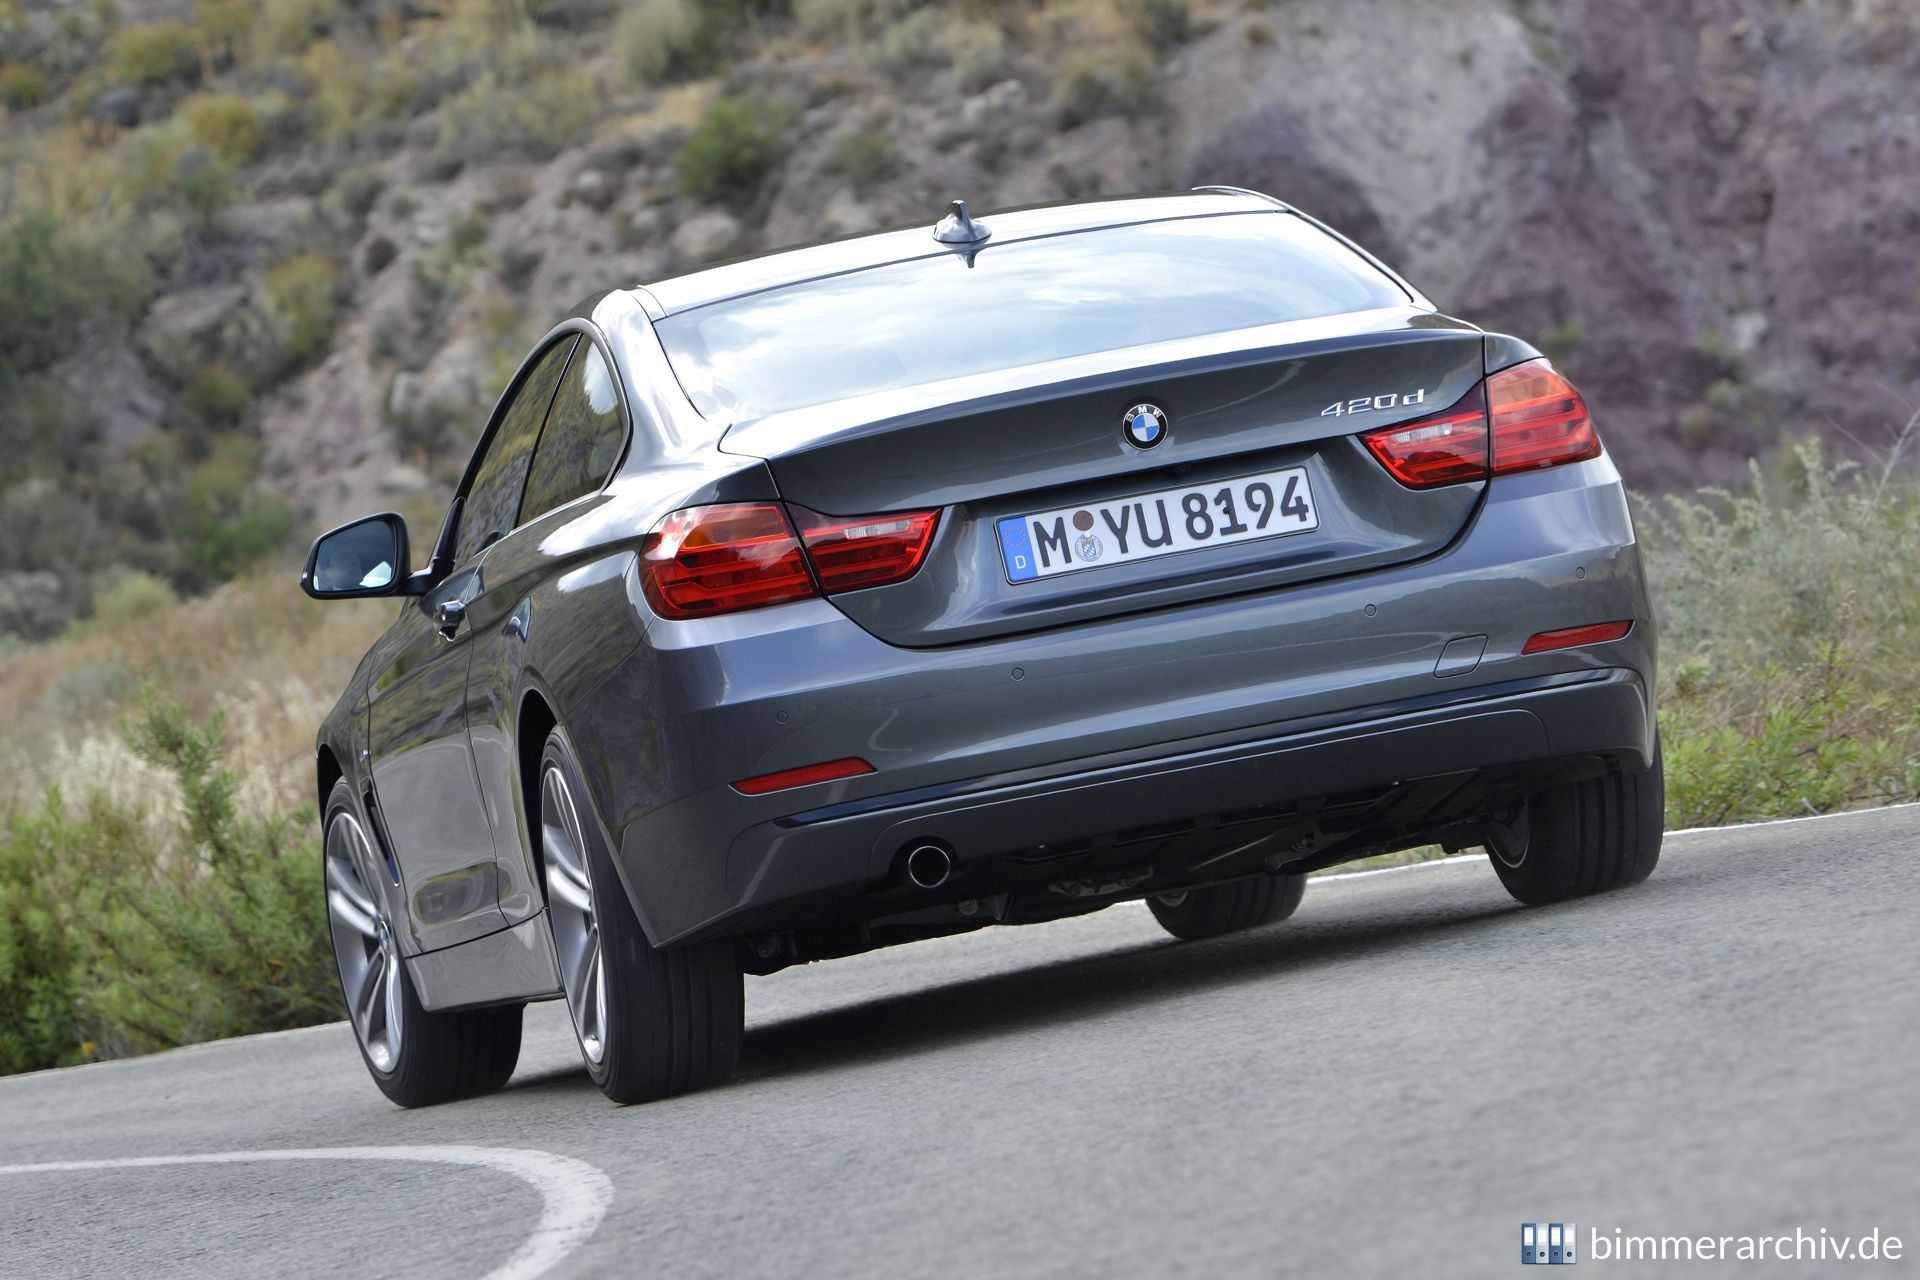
x=576 y=933
x=363 y=943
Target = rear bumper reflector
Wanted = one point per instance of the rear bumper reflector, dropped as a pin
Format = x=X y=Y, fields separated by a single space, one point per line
x=1574 y=637
x=805 y=776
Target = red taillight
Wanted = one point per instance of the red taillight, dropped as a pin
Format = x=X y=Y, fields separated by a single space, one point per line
x=1519 y=419
x=805 y=776
x=1444 y=448
x=704 y=561
x=849 y=552
x=1573 y=637
x=1539 y=420
x=720 y=559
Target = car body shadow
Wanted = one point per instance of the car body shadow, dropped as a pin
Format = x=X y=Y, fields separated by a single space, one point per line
x=951 y=1014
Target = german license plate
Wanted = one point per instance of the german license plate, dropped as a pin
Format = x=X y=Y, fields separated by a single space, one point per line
x=1148 y=526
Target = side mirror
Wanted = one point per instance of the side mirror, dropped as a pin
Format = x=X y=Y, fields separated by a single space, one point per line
x=365 y=558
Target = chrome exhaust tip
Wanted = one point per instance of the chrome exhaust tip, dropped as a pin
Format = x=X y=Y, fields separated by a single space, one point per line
x=926 y=866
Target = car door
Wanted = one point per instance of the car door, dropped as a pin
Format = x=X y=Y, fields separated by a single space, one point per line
x=422 y=760
x=584 y=438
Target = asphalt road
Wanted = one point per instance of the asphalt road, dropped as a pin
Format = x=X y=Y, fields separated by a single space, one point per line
x=1388 y=1084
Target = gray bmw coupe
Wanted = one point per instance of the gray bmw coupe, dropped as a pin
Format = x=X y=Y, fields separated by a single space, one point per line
x=983 y=573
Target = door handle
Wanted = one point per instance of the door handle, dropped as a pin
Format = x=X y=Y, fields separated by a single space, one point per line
x=447 y=616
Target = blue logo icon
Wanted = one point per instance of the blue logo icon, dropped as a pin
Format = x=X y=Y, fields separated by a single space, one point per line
x=1144 y=426
x=1547 y=1244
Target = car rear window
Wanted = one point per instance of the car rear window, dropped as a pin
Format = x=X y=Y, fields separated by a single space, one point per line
x=1019 y=303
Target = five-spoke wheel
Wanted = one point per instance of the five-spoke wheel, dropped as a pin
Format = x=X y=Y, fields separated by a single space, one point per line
x=416 y=1056
x=576 y=936
x=651 y=1021
x=363 y=945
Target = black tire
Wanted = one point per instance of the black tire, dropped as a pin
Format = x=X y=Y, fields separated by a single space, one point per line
x=1583 y=837
x=673 y=1017
x=1227 y=908
x=441 y=1057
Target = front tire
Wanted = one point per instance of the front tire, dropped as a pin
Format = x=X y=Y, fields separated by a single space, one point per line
x=650 y=1023
x=1227 y=908
x=1583 y=837
x=416 y=1057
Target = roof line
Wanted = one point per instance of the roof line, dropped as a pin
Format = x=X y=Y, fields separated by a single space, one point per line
x=935 y=250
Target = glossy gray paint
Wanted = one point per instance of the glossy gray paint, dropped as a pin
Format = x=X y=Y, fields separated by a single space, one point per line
x=992 y=702
x=1547 y=550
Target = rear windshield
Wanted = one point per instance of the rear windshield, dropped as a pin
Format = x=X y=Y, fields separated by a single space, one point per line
x=1020 y=303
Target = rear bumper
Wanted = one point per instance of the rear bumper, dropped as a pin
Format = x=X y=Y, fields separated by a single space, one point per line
x=1160 y=717
x=821 y=863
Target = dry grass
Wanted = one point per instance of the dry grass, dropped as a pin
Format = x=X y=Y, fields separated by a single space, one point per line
x=257 y=649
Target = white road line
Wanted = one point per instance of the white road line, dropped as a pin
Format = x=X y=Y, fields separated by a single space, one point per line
x=1805 y=817
x=573 y=1194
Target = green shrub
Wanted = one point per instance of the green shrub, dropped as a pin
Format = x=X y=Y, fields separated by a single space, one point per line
x=1789 y=622
x=536 y=117
x=42 y=1009
x=133 y=597
x=1815 y=743
x=55 y=284
x=732 y=151
x=284 y=28
x=226 y=123
x=655 y=39
x=1161 y=23
x=224 y=24
x=113 y=942
x=217 y=396
x=155 y=54
x=22 y=86
x=865 y=159
x=1561 y=342
x=351 y=198
x=1104 y=82
x=303 y=297
x=202 y=184
x=517 y=264
x=350 y=92
x=226 y=522
x=847 y=20
x=978 y=53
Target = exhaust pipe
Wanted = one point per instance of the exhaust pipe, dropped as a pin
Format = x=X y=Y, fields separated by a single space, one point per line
x=926 y=866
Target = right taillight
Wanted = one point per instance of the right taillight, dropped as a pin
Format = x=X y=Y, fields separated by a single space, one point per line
x=1519 y=419
x=850 y=552
x=703 y=561
x=1538 y=419
x=1443 y=448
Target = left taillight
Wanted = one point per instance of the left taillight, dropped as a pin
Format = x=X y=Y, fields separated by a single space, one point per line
x=1519 y=419
x=722 y=559
x=703 y=561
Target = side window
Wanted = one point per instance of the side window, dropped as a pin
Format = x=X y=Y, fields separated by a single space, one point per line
x=585 y=433
x=495 y=496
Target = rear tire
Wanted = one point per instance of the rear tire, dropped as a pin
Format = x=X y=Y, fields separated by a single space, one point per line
x=1227 y=908
x=650 y=1022
x=1583 y=837
x=416 y=1057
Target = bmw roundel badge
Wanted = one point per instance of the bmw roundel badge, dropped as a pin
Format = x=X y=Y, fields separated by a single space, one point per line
x=1144 y=426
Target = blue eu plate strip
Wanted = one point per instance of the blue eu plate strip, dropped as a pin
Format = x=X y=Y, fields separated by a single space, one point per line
x=1016 y=547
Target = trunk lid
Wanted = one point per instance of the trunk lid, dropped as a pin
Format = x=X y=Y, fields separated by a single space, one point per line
x=1049 y=439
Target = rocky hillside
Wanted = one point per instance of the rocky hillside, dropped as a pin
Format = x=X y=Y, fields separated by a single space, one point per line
x=268 y=264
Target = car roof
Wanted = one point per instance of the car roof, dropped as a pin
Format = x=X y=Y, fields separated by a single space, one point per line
x=855 y=253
